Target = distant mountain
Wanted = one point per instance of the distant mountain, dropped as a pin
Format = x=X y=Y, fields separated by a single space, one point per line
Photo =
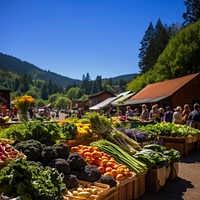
x=127 y=78
x=18 y=66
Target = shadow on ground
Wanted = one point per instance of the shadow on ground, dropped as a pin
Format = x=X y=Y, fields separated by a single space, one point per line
x=195 y=158
x=174 y=190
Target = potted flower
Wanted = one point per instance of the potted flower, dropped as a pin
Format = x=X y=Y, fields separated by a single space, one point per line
x=22 y=104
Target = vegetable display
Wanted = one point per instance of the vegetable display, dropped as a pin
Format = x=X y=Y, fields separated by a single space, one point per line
x=104 y=128
x=121 y=156
x=155 y=155
x=46 y=133
x=171 y=129
x=139 y=135
x=104 y=162
x=7 y=152
x=26 y=181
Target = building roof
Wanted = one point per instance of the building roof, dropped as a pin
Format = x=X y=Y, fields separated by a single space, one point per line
x=99 y=93
x=121 y=99
x=103 y=104
x=161 y=90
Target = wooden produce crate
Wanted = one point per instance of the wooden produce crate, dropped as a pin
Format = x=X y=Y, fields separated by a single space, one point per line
x=183 y=144
x=155 y=179
x=138 y=186
x=101 y=190
x=125 y=189
x=174 y=170
x=110 y=194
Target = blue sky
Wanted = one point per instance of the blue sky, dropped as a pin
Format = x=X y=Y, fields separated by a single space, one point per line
x=73 y=37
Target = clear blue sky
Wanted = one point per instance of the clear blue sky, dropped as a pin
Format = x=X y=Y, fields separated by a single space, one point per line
x=73 y=37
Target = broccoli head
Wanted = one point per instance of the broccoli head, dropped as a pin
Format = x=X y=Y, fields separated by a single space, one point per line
x=62 y=150
x=60 y=164
x=31 y=148
x=71 y=181
x=89 y=173
x=109 y=180
x=48 y=154
x=76 y=161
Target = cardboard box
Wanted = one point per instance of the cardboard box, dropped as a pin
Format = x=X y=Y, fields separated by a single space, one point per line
x=155 y=179
x=174 y=170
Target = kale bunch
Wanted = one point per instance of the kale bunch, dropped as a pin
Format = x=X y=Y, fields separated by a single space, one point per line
x=20 y=179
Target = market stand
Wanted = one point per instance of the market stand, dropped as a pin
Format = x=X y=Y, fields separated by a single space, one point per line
x=134 y=187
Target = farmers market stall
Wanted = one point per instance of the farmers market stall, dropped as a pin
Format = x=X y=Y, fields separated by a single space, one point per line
x=103 y=163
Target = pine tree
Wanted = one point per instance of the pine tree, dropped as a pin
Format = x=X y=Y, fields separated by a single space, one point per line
x=145 y=42
x=192 y=13
x=44 y=92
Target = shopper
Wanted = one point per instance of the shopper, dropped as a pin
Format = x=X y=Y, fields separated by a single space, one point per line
x=168 y=116
x=154 y=113
x=177 y=115
x=185 y=114
x=145 y=112
x=129 y=111
x=194 y=117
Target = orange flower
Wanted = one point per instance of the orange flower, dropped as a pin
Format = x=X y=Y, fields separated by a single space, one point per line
x=22 y=103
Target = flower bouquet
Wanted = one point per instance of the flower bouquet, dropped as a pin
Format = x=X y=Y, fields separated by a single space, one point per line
x=22 y=104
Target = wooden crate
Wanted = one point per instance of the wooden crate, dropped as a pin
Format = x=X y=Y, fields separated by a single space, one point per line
x=125 y=189
x=183 y=144
x=174 y=170
x=111 y=194
x=138 y=186
x=155 y=179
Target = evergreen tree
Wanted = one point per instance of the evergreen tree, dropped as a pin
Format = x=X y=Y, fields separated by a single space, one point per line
x=145 y=42
x=16 y=85
x=94 y=88
x=44 y=92
x=192 y=13
x=99 y=83
x=50 y=87
x=85 y=84
x=24 y=84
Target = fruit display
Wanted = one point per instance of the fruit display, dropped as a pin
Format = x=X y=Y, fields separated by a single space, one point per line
x=104 y=162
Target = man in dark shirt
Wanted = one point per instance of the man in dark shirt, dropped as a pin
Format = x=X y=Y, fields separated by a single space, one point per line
x=194 y=117
x=168 y=115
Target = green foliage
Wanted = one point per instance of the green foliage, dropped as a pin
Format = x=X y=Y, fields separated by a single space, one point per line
x=74 y=93
x=179 y=58
x=192 y=13
x=41 y=131
x=63 y=103
x=39 y=103
x=21 y=179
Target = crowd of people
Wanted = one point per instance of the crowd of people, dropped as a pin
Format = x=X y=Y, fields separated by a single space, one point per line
x=177 y=116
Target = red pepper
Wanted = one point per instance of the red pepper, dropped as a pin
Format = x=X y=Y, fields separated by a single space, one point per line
x=3 y=157
x=2 y=149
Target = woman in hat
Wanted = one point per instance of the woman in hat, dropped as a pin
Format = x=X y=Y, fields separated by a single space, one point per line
x=177 y=115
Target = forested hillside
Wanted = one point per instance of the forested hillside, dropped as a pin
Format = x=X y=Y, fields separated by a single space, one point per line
x=18 y=66
x=169 y=52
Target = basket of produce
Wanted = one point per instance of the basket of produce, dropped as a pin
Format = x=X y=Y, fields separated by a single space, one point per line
x=7 y=153
x=87 y=190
